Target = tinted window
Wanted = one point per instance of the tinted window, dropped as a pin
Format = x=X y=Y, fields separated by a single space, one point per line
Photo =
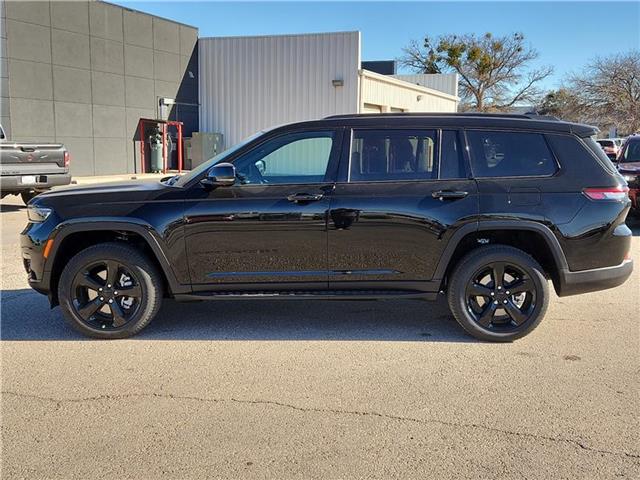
x=631 y=152
x=393 y=155
x=296 y=158
x=509 y=154
x=451 y=158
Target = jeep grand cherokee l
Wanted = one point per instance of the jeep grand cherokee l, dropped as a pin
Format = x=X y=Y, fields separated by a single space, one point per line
x=485 y=208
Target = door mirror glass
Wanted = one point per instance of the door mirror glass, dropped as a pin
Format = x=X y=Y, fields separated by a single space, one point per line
x=221 y=175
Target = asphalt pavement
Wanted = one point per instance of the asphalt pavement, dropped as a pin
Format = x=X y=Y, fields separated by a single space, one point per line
x=318 y=389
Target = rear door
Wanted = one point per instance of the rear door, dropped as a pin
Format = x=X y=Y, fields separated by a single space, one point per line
x=401 y=195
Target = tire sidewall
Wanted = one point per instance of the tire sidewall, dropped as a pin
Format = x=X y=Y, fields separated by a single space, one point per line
x=139 y=266
x=464 y=273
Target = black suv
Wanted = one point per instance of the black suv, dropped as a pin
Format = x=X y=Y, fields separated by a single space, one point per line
x=484 y=208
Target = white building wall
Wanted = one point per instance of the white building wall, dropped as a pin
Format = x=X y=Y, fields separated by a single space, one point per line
x=251 y=83
x=392 y=94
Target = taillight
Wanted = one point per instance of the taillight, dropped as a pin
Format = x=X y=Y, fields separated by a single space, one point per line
x=612 y=193
x=66 y=158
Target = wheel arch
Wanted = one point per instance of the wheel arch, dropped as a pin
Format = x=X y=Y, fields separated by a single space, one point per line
x=531 y=237
x=70 y=238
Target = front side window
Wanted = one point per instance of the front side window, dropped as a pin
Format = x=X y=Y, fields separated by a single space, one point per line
x=393 y=155
x=295 y=158
x=510 y=154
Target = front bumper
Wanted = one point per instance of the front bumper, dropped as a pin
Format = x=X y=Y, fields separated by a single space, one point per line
x=584 y=281
x=32 y=242
x=13 y=183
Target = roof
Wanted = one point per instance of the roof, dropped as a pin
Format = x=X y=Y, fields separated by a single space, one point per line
x=468 y=120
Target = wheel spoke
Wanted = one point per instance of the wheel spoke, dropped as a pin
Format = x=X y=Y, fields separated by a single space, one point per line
x=486 y=316
x=88 y=282
x=514 y=312
x=118 y=314
x=498 y=274
x=520 y=286
x=133 y=291
x=89 y=308
x=477 y=290
x=112 y=272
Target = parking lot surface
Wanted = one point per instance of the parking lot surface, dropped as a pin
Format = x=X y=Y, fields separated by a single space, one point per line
x=312 y=389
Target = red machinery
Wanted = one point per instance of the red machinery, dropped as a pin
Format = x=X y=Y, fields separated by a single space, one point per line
x=165 y=124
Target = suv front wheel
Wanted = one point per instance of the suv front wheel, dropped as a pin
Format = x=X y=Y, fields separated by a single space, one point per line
x=110 y=290
x=498 y=293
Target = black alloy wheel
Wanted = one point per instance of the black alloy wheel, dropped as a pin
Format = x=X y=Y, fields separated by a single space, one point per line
x=110 y=290
x=498 y=293
x=501 y=297
x=106 y=294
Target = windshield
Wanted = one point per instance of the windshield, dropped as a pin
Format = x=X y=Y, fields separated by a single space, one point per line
x=221 y=157
x=631 y=153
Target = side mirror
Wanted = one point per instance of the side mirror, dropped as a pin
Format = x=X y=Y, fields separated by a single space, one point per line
x=220 y=175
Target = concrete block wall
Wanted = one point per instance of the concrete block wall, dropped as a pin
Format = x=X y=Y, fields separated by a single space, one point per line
x=83 y=73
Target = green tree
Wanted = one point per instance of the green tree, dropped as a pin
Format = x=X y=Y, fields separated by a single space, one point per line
x=495 y=72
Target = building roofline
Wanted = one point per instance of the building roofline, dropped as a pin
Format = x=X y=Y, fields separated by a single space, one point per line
x=134 y=10
x=277 y=35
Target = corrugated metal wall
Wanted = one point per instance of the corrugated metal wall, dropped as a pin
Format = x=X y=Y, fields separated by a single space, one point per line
x=251 y=83
x=446 y=82
x=392 y=95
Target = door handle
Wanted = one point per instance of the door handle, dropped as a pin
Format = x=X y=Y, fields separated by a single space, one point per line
x=305 y=197
x=449 y=194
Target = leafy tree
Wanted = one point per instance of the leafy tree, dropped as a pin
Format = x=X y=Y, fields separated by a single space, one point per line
x=608 y=90
x=494 y=71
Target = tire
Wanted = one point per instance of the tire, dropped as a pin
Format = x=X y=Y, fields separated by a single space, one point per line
x=28 y=195
x=123 y=316
x=491 y=311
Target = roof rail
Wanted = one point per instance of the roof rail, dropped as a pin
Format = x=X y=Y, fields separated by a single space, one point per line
x=531 y=116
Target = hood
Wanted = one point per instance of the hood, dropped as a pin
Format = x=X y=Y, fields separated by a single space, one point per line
x=108 y=190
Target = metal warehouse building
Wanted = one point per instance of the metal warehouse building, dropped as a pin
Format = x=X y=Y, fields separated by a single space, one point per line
x=85 y=72
x=251 y=83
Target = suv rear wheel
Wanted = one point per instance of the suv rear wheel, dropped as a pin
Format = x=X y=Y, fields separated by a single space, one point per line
x=498 y=293
x=110 y=290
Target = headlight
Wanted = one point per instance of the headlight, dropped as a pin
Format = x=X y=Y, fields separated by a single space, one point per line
x=630 y=178
x=38 y=214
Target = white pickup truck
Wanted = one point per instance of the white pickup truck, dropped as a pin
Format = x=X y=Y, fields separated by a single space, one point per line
x=28 y=168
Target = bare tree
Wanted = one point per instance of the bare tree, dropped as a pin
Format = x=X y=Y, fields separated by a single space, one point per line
x=608 y=90
x=494 y=71
x=564 y=104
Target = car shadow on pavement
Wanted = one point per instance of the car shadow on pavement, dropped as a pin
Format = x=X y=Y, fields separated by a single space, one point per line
x=10 y=207
x=25 y=315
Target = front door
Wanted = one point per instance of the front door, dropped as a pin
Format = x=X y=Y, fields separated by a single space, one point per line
x=270 y=227
x=396 y=205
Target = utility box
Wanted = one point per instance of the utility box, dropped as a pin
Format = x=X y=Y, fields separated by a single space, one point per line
x=202 y=147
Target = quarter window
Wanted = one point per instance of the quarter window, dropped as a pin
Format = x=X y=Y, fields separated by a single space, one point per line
x=296 y=158
x=510 y=154
x=393 y=155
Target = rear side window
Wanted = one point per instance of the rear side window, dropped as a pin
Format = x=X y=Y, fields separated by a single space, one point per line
x=393 y=155
x=510 y=154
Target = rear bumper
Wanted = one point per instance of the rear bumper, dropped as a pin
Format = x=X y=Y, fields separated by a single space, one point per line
x=13 y=183
x=574 y=283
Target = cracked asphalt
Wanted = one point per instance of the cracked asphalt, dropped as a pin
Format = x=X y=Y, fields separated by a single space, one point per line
x=275 y=389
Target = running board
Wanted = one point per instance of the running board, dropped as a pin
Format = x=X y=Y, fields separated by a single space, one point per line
x=307 y=295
